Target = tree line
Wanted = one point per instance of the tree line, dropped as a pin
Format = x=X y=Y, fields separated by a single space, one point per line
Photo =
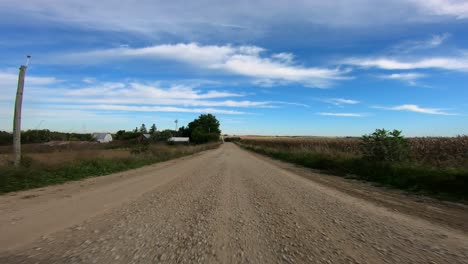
x=203 y=129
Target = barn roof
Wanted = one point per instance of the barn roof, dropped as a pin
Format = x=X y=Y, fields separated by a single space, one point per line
x=179 y=139
x=100 y=136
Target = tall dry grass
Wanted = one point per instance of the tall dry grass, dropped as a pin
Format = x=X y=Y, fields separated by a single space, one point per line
x=432 y=151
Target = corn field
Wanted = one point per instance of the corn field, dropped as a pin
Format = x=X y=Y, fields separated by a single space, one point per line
x=434 y=151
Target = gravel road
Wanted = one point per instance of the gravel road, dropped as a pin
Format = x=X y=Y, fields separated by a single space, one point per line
x=220 y=206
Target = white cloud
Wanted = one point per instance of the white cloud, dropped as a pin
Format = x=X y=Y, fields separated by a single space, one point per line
x=8 y=78
x=416 y=108
x=409 y=77
x=132 y=108
x=415 y=45
x=443 y=63
x=343 y=114
x=341 y=101
x=128 y=96
x=205 y=17
x=9 y=83
x=456 y=8
x=240 y=60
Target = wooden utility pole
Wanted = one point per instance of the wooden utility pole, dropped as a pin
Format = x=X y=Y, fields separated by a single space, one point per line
x=17 y=117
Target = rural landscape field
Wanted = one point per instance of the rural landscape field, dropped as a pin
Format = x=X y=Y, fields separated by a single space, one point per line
x=223 y=131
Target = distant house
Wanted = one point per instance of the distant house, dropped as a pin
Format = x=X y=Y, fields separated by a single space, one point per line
x=179 y=140
x=102 y=137
x=144 y=137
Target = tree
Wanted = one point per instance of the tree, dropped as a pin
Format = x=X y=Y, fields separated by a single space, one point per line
x=153 y=129
x=204 y=129
x=183 y=132
x=384 y=145
x=135 y=130
x=164 y=135
x=143 y=129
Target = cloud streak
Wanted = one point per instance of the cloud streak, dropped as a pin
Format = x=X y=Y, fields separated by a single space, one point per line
x=416 y=109
x=341 y=101
x=204 y=16
x=408 y=77
x=442 y=63
x=455 y=8
x=247 y=61
x=415 y=45
x=342 y=114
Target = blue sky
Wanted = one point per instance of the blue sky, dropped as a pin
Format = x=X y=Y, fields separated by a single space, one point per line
x=324 y=68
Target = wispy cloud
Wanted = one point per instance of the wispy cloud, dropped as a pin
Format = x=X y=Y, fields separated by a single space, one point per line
x=246 y=61
x=7 y=78
x=130 y=108
x=342 y=114
x=132 y=96
x=408 y=77
x=454 y=8
x=415 y=45
x=416 y=109
x=341 y=101
x=443 y=63
x=203 y=17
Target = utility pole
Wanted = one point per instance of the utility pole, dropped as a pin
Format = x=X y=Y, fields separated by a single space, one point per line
x=17 y=117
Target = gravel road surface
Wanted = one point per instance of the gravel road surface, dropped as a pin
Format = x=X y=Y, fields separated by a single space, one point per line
x=220 y=206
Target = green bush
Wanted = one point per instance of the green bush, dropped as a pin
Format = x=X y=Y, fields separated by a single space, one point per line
x=384 y=145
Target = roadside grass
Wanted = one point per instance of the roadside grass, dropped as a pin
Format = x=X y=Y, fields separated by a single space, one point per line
x=444 y=183
x=35 y=174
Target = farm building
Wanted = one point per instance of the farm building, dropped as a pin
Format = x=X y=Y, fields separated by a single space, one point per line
x=144 y=137
x=102 y=137
x=179 y=140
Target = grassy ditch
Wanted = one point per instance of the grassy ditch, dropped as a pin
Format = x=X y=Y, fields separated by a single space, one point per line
x=446 y=183
x=35 y=173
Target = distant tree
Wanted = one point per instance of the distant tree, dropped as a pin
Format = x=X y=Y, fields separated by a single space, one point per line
x=164 y=135
x=143 y=129
x=153 y=129
x=204 y=129
x=120 y=135
x=183 y=132
x=6 y=138
x=126 y=135
x=135 y=130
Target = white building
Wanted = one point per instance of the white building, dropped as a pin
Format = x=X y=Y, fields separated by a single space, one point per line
x=102 y=137
x=179 y=139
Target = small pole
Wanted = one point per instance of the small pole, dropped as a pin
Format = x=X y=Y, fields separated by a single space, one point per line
x=17 y=116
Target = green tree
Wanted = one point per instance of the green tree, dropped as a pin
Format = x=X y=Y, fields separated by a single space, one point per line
x=6 y=138
x=384 y=145
x=204 y=129
x=183 y=132
x=143 y=129
x=153 y=129
x=164 y=135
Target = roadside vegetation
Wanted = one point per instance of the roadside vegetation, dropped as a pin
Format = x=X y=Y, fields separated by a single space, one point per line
x=53 y=159
x=436 y=166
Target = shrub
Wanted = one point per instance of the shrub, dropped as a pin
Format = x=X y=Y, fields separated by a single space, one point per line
x=384 y=145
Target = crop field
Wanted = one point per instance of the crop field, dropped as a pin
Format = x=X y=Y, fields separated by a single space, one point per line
x=433 y=165
x=440 y=152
